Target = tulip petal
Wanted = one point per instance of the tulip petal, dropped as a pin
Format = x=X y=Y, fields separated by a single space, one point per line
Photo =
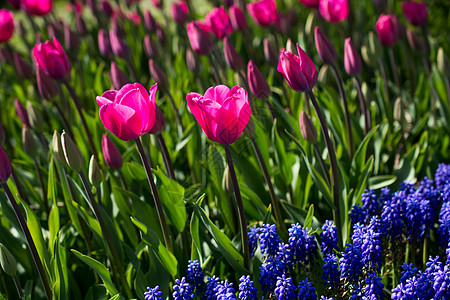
x=121 y=120
x=101 y=100
x=217 y=93
x=137 y=101
x=225 y=125
x=110 y=95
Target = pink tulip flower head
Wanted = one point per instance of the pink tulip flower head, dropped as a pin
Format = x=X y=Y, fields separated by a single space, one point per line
x=223 y=113
x=237 y=18
x=180 y=12
x=219 y=22
x=199 y=38
x=6 y=25
x=257 y=82
x=310 y=3
x=129 y=112
x=52 y=59
x=111 y=154
x=415 y=12
x=334 y=11
x=263 y=12
x=298 y=71
x=387 y=29
x=324 y=47
x=352 y=60
x=37 y=7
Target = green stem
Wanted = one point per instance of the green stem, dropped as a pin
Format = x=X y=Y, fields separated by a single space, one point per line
x=240 y=207
x=364 y=109
x=41 y=183
x=18 y=286
x=19 y=187
x=175 y=109
x=322 y=164
x=394 y=68
x=166 y=156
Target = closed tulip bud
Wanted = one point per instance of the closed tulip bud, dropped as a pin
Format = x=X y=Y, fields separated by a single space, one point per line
x=107 y=8
x=232 y=58
x=307 y=128
x=398 y=114
x=415 y=42
x=22 y=113
x=161 y=35
x=150 y=48
x=104 y=44
x=29 y=143
x=270 y=54
x=416 y=13
x=58 y=152
x=56 y=30
x=7 y=261
x=219 y=22
x=387 y=29
x=46 y=85
x=192 y=60
x=310 y=3
x=116 y=24
x=6 y=25
x=352 y=60
x=71 y=153
x=14 y=3
x=95 y=174
x=52 y=59
x=111 y=154
x=310 y=23
x=6 y=55
x=199 y=39
x=180 y=12
x=290 y=46
x=324 y=47
x=441 y=60
x=24 y=69
x=37 y=7
x=263 y=12
x=118 y=46
x=249 y=130
x=5 y=166
x=35 y=116
x=237 y=18
x=80 y=24
x=71 y=39
x=149 y=22
x=227 y=185
x=2 y=135
x=158 y=75
x=118 y=77
x=256 y=81
x=160 y=122
x=334 y=11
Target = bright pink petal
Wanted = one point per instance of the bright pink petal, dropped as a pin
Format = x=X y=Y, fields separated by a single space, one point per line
x=218 y=93
x=110 y=95
x=122 y=121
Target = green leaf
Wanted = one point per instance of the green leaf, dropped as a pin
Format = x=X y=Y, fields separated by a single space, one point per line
x=359 y=160
x=378 y=182
x=300 y=215
x=362 y=180
x=59 y=264
x=100 y=269
x=309 y=216
x=136 y=171
x=283 y=161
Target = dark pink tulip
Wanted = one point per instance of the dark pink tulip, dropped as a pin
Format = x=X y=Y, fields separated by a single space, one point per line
x=232 y=58
x=104 y=45
x=6 y=25
x=415 y=12
x=56 y=30
x=22 y=113
x=150 y=47
x=24 y=70
x=71 y=40
x=199 y=39
x=310 y=3
x=223 y=113
x=257 y=83
x=52 y=59
x=6 y=55
x=161 y=35
x=415 y=42
x=307 y=128
x=270 y=54
x=158 y=74
x=46 y=85
x=352 y=60
x=111 y=154
x=14 y=3
x=219 y=22
x=134 y=17
x=160 y=122
x=118 y=77
x=237 y=18
x=37 y=7
x=387 y=29
x=80 y=24
x=334 y=10
x=5 y=166
x=129 y=112
x=149 y=22
x=180 y=12
x=107 y=8
x=263 y=12
x=192 y=60
x=298 y=71
x=324 y=47
x=118 y=46
x=157 y=3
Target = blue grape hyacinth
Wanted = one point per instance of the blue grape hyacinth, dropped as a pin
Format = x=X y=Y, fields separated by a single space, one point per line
x=182 y=290
x=247 y=290
x=285 y=289
x=153 y=294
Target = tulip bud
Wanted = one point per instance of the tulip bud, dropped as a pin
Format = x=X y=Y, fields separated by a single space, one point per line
x=2 y=135
x=199 y=39
x=416 y=13
x=30 y=145
x=24 y=69
x=46 y=85
x=310 y=23
x=441 y=60
x=56 y=30
x=226 y=180
x=111 y=154
x=374 y=45
x=149 y=22
x=150 y=48
x=104 y=45
x=232 y=58
x=22 y=113
x=270 y=54
x=95 y=174
x=118 y=77
x=58 y=152
x=249 y=130
x=52 y=59
x=5 y=166
x=256 y=81
x=35 y=116
x=160 y=122
x=116 y=24
x=307 y=128
x=180 y=12
x=398 y=114
x=80 y=24
x=161 y=35
x=6 y=55
x=107 y=8
x=118 y=45
x=324 y=47
x=71 y=39
x=237 y=18
x=192 y=61
x=387 y=29
x=352 y=60
x=158 y=75
x=334 y=10
x=7 y=261
x=71 y=153
x=415 y=42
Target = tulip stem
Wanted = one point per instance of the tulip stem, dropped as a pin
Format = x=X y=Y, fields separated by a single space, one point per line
x=240 y=207
x=384 y=77
x=348 y=125
x=175 y=109
x=322 y=164
x=106 y=234
x=272 y=113
x=364 y=109
x=273 y=198
x=394 y=68
x=166 y=156
x=157 y=201
x=213 y=67
x=41 y=183
x=122 y=178
x=334 y=167
x=18 y=286
x=30 y=242
x=19 y=186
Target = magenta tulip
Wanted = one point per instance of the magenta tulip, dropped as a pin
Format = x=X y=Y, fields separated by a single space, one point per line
x=6 y=25
x=199 y=38
x=5 y=166
x=111 y=154
x=324 y=47
x=310 y=3
x=387 y=29
x=22 y=113
x=232 y=58
x=149 y=22
x=37 y=7
x=415 y=12
x=223 y=113
x=299 y=71
x=352 y=60
x=129 y=112
x=52 y=59
x=180 y=12
x=257 y=82
x=334 y=10
x=118 y=46
x=263 y=12
x=104 y=45
x=237 y=18
x=219 y=22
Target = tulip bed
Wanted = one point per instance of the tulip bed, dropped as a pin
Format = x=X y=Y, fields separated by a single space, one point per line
x=289 y=149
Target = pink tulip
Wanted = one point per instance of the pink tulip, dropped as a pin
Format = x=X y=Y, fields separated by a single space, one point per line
x=387 y=29
x=180 y=12
x=199 y=38
x=157 y=3
x=6 y=25
x=111 y=154
x=219 y=22
x=129 y=112
x=352 y=60
x=223 y=113
x=257 y=82
x=118 y=46
x=310 y=3
x=232 y=58
x=299 y=71
x=104 y=45
x=415 y=12
x=324 y=47
x=263 y=12
x=52 y=59
x=237 y=18
x=334 y=10
x=22 y=113
x=37 y=7
x=149 y=21
x=5 y=166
